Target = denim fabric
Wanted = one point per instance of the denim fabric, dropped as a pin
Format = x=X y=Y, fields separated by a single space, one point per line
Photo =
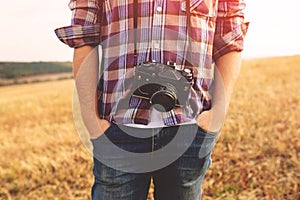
x=177 y=173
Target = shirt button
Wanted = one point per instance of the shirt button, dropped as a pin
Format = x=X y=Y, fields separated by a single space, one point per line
x=156 y=45
x=159 y=9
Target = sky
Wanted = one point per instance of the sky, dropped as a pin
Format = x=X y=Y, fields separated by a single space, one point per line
x=27 y=29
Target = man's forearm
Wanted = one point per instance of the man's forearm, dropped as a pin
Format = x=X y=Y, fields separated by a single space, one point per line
x=85 y=68
x=80 y=54
x=226 y=75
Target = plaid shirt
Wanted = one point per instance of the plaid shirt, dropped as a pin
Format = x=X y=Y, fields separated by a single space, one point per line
x=217 y=27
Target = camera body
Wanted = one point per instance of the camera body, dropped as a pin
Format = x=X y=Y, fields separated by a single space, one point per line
x=164 y=86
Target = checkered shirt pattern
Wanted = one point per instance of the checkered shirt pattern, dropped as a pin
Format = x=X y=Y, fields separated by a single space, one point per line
x=217 y=27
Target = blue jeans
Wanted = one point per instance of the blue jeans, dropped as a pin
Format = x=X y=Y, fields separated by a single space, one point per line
x=126 y=158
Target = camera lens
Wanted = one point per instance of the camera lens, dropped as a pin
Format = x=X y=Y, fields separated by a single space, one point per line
x=165 y=99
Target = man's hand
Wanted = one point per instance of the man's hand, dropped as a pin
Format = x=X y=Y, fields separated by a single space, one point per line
x=104 y=125
x=211 y=121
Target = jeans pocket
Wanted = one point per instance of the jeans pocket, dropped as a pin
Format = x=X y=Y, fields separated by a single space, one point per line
x=208 y=133
x=207 y=142
x=94 y=140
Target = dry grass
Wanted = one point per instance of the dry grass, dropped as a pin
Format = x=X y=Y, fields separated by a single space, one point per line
x=42 y=157
x=256 y=157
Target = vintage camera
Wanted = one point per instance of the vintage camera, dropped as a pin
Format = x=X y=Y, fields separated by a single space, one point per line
x=164 y=86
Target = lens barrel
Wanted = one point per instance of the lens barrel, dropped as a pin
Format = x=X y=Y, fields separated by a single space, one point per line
x=165 y=99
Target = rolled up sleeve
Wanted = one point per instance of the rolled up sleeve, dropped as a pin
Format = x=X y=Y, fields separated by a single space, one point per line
x=85 y=25
x=230 y=27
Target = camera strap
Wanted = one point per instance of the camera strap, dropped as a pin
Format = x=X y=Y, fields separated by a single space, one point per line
x=189 y=31
x=100 y=15
x=135 y=26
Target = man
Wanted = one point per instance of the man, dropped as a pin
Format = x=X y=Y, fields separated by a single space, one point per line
x=166 y=134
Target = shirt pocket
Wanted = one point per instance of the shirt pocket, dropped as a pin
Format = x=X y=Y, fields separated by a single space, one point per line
x=207 y=8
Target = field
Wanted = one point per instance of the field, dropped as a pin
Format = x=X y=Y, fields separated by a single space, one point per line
x=30 y=72
x=256 y=157
x=21 y=69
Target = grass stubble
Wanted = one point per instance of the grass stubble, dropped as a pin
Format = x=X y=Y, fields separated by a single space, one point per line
x=256 y=156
